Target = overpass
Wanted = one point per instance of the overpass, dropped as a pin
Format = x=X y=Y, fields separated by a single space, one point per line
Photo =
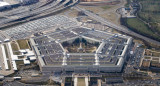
x=35 y=11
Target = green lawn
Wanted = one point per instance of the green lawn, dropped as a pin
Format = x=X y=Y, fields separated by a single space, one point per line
x=140 y=27
x=106 y=7
x=147 y=57
x=17 y=53
x=14 y=46
x=150 y=13
x=81 y=82
x=127 y=4
x=23 y=44
x=19 y=62
x=21 y=57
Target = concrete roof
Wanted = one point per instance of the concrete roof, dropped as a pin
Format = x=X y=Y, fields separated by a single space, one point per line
x=110 y=51
x=3 y=3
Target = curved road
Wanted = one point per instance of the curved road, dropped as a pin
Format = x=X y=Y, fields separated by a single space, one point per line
x=117 y=27
x=26 y=13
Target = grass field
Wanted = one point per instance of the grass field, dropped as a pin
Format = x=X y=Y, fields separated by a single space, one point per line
x=23 y=44
x=147 y=22
x=147 y=57
x=81 y=82
x=106 y=7
x=14 y=46
x=150 y=13
x=17 y=53
x=150 y=10
x=74 y=47
x=19 y=62
x=140 y=27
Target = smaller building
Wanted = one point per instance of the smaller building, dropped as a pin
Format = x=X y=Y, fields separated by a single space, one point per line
x=31 y=58
x=26 y=62
x=4 y=5
x=1 y=77
x=23 y=51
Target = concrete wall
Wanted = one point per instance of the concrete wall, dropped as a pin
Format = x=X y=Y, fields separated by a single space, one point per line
x=85 y=69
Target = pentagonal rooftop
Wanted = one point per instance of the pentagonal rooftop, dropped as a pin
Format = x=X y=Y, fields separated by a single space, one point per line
x=81 y=47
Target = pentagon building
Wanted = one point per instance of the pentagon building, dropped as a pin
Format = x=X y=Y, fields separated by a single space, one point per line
x=81 y=50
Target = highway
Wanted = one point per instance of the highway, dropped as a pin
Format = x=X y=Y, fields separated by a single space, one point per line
x=117 y=27
x=35 y=11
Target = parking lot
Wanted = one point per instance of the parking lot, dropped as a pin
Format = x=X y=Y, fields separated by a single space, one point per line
x=26 y=30
x=134 y=61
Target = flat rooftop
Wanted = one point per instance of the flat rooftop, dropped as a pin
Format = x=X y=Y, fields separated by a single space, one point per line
x=110 y=51
x=3 y=3
x=11 y=2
